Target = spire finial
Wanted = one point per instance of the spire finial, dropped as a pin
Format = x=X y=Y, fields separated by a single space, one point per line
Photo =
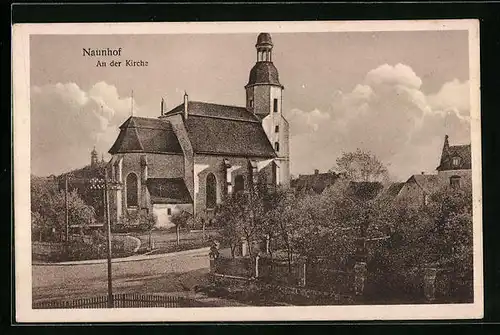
x=132 y=103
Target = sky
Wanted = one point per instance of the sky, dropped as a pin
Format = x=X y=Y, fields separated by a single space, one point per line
x=395 y=94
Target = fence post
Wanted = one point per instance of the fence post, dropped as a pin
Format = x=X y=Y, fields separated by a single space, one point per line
x=430 y=283
x=303 y=276
x=257 y=266
x=359 y=277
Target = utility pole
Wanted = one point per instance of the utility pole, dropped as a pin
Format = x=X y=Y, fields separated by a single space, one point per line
x=108 y=229
x=66 y=208
x=100 y=184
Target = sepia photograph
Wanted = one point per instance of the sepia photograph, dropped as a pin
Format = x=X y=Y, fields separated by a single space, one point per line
x=247 y=171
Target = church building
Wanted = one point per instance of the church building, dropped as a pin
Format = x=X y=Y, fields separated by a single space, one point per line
x=193 y=156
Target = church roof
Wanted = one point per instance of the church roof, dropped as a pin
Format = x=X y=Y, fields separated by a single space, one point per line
x=225 y=130
x=228 y=137
x=140 y=134
x=215 y=110
x=264 y=73
x=168 y=191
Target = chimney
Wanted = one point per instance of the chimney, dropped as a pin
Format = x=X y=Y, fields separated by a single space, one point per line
x=422 y=172
x=162 y=106
x=185 y=105
x=316 y=171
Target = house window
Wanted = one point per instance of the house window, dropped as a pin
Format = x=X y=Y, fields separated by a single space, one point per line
x=455 y=181
x=277 y=146
x=239 y=184
x=132 y=190
x=211 y=188
x=277 y=129
x=275 y=106
x=426 y=199
x=456 y=161
x=169 y=211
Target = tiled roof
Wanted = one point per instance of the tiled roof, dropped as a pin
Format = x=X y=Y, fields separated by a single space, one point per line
x=461 y=151
x=429 y=182
x=139 y=134
x=212 y=135
x=364 y=190
x=315 y=182
x=215 y=110
x=168 y=191
x=390 y=192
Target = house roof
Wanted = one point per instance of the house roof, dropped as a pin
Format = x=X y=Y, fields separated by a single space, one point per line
x=428 y=182
x=168 y=191
x=390 y=192
x=215 y=110
x=364 y=190
x=140 y=134
x=463 y=152
x=315 y=182
x=211 y=135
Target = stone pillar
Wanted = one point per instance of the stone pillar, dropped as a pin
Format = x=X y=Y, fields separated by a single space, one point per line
x=359 y=277
x=244 y=247
x=302 y=271
x=257 y=266
x=430 y=283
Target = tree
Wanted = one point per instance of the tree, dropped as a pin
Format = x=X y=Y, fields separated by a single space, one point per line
x=361 y=166
x=180 y=220
x=241 y=217
x=48 y=208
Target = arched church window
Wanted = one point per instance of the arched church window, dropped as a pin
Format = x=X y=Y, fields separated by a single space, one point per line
x=132 y=198
x=239 y=184
x=277 y=146
x=211 y=188
x=456 y=161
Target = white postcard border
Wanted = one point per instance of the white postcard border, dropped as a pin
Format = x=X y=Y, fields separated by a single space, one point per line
x=21 y=144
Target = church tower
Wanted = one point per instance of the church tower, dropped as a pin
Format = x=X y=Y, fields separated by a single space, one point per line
x=264 y=97
x=93 y=157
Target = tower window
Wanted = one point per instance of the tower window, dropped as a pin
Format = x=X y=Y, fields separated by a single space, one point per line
x=455 y=181
x=275 y=106
x=251 y=102
x=277 y=129
x=277 y=146
x=456 y=161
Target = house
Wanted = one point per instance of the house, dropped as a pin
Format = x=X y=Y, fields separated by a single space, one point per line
x=454 y=170
x=191 y=157
x=316 y=182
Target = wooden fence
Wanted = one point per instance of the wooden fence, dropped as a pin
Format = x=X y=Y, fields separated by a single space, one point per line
x=129 y=300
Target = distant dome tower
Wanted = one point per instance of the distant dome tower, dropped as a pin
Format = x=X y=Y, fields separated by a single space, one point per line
x=93 y=157
x=264 y=97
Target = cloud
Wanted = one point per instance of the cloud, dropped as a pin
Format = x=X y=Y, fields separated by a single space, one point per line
x=67 y=122
x=387 y=114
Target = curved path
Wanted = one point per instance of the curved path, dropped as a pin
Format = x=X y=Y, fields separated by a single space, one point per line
x=158 y=273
